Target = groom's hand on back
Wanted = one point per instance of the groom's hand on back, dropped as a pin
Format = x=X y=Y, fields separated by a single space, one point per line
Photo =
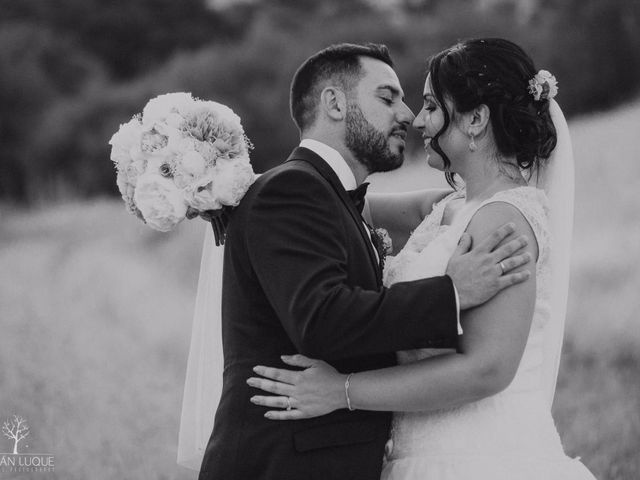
x=480 y=273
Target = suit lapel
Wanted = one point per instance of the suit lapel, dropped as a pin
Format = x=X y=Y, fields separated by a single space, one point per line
x=301 y=153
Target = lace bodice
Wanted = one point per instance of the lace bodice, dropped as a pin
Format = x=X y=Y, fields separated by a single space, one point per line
x=472 y=426
x=531 y=202
x=430 y=246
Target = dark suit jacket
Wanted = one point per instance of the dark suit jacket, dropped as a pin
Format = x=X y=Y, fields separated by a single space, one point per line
x=300 y=275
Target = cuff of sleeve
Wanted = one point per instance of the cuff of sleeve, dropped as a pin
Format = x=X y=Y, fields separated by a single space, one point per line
x=455 y=292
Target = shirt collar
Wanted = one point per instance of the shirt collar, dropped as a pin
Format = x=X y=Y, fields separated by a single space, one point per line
x=334 y=160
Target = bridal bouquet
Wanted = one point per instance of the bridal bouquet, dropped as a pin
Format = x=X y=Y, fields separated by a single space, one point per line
x=180 y=158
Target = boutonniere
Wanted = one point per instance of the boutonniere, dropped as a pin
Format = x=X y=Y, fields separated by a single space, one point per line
x=383 y=244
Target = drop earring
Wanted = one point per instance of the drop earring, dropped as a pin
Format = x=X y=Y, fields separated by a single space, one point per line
x=472 y=145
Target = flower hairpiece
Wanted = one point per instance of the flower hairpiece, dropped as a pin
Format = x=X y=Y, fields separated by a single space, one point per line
x=543 y=86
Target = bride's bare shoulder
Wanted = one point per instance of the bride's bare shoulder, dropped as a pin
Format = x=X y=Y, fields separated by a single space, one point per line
x=492 y=216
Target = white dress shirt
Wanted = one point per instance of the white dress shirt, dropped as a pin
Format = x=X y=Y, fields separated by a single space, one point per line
x=348 y=180
x=340 y=167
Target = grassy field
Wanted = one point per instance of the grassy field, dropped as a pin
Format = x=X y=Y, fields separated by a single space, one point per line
x=95 y=318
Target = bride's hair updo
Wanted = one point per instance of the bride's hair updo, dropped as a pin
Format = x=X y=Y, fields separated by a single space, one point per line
x=496 y=73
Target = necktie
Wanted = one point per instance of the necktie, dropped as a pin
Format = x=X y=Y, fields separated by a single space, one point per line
x=357 y=196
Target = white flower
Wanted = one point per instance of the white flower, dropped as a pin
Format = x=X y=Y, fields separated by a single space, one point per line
x=385 y=238
x=138 y=163
x=174 y=120
x=189 y=167
x=167 y=132
x=543 y=86
x=215 y=123
x=129 y=160
x=232 y=180
x=161 y=203
x=127 y=137
x=225 y=114
x=193 y=164
x=161 y=108
x=127 y=189
x=543 y=76
x=200 y=195
x=181 y=152
x=178 y=143
x=535 y=89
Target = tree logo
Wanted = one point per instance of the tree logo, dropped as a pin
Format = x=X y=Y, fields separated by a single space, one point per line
x=16 y=429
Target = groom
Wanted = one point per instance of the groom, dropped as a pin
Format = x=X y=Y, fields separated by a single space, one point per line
x=301 y=275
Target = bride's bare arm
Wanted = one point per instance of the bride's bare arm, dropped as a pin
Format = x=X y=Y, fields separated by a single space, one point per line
x=489 y=353
x=400 y=213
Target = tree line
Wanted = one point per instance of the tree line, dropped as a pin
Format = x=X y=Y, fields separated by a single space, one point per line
x=72 y=70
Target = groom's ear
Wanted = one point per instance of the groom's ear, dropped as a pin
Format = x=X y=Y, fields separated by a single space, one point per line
x=333 y=102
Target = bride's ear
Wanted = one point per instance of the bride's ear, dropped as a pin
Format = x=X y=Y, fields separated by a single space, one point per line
x=478 y=120
x=333 y=102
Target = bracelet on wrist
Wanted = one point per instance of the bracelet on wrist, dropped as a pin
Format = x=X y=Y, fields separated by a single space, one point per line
x=347 y=382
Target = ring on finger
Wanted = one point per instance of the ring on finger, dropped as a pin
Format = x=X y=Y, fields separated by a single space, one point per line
x=288 y=403
x=502 y=268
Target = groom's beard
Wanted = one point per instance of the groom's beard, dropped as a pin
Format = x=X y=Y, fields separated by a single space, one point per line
x=369 y=145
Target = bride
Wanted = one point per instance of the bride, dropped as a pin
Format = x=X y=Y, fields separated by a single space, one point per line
x=483 y=410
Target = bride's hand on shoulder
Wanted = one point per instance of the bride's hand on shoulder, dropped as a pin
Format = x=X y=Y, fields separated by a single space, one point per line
x=315 y=391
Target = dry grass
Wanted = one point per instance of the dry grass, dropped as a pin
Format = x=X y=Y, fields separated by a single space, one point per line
x=95 y=315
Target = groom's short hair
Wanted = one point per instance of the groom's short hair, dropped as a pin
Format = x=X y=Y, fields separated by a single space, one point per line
x=337 y=65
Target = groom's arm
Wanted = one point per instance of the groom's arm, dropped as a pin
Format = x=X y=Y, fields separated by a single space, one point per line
x=297 y=247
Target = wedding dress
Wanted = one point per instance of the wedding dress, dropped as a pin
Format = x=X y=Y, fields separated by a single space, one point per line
x=507 y=436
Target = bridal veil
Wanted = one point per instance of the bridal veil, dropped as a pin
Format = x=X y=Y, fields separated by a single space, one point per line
x=203 y=382
x=557 y=180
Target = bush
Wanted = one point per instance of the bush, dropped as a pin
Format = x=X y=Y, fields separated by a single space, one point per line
x=587 y=44
x=37 y=67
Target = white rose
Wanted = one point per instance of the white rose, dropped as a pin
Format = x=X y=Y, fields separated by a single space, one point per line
x=126 y=189
x=193 y=164
x=200 y=195
x=174 y=120
x=551 y=82
x=232 y=180
x=158 y=109
x=138 y=163
x=167 y=131
x=179 y=144
x=189 y=167
x=161 y=203
x=543 y=84
x=127 y=137
x=543 y=75
x=535 y=89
